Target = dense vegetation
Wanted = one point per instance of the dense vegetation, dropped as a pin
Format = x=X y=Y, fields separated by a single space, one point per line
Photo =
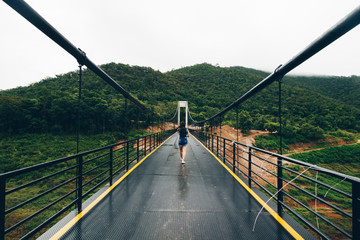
x=346 y=154
x=309 y=110
x=345 y=89
x=272 y=141
x=50 y=106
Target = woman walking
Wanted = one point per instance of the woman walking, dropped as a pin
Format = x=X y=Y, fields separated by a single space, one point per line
x=183 y=134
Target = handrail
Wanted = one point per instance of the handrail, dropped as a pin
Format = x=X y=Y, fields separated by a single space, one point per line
x=292 y=160
x=59 y=160
x=259 y=167
x=38 y=21
x=100 y=166
x=343 y=26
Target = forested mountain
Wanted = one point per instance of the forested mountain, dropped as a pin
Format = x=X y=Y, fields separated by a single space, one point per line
x=306 y=110
x=345 y=89
x=315 y=104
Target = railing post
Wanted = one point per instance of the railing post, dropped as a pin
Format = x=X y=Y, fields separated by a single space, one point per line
x=138 y=149
x=206 y=139
x=355 y=210
x=209 y=136
x=224 y=148
x=145 y=145
x=2 y=208
x=280 y=194
x=217 y=146
x=127 y=156
x=212 y=143
x=209 y=140
x=155 y=140
x=80 y=170
x=249 y=174
x=150 y=143
x=111 y=166
x=234 y=156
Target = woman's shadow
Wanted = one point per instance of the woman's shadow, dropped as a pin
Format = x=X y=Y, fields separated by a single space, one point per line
x=183 y=182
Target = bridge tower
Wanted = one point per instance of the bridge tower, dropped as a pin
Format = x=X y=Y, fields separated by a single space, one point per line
x=179 y=106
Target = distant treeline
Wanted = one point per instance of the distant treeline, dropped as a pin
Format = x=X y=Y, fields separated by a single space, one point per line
x=308 y=107
x=56 y=112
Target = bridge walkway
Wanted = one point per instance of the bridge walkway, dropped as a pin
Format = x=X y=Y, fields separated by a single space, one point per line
x=163 y=199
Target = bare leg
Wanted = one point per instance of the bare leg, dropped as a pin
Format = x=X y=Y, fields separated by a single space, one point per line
x=181 y=153
x=184 y=152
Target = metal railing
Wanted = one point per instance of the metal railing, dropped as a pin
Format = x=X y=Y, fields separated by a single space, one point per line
x=58 y=186
x=327 y=203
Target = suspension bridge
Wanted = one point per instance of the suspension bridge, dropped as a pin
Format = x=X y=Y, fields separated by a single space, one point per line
x=138 y=189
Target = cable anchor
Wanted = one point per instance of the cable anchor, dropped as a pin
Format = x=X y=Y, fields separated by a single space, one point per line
x=83 y=57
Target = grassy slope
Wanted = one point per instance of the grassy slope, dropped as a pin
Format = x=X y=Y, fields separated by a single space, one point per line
x=344 y=159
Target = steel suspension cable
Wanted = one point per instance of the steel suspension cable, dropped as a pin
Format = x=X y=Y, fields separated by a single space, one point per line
x=169 y=120
x=343 y=26
x=38 y=21
x=191 y=116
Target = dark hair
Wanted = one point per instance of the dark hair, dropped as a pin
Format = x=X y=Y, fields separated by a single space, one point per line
x=182 y=125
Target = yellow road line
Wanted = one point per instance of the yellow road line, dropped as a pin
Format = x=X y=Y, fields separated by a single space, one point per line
x=72 y=222
x=267 y=207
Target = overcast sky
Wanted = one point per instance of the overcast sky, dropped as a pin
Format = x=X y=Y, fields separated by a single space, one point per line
x=167 y=34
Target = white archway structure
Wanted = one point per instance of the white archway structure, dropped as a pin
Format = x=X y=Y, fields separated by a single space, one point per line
x=179 y=106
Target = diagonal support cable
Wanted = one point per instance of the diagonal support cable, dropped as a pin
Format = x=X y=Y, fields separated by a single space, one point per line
x=39 y=22
x=342 y=27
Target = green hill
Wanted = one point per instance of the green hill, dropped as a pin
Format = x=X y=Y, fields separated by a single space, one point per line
x=309 y=103
x=344 y=89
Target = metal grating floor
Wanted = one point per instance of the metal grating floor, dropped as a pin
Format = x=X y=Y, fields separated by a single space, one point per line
x=163 y=199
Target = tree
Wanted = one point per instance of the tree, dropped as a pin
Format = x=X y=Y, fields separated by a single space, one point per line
x=10 y=114
x=311 y=132
x=245 y=121
x=272 y=127
x=260 y=122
